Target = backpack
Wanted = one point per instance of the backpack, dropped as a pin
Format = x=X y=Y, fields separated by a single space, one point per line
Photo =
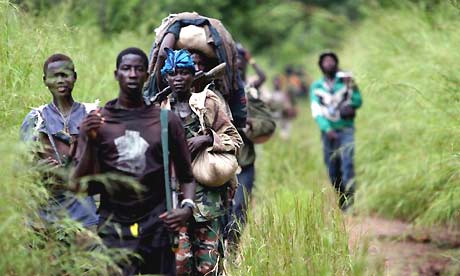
x=262 y=123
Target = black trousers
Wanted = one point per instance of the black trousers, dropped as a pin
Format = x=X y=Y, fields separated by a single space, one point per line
x=153 y=259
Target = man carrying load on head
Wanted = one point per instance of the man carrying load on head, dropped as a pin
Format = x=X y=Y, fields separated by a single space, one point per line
x=208 y=131
x=206 y=35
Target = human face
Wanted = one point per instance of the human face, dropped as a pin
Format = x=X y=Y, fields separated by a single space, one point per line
x=328 y=65
x=200 y=64
x=131 y=74
x=180 y=81
x=60 y=78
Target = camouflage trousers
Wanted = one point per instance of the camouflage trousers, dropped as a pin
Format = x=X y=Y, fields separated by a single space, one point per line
x=200 y=249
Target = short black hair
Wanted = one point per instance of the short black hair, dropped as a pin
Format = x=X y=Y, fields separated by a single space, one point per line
x=240 y=50
x=54 y=58
x=289 y=70
x=134 y=51
x=328 y=54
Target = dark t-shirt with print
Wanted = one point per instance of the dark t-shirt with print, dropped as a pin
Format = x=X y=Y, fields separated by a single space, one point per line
x=128 y=147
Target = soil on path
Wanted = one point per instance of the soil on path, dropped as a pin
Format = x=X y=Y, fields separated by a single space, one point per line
x=398 y=248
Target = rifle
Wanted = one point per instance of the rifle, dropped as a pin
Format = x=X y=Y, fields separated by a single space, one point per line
x=170 y=183
x=215 y=73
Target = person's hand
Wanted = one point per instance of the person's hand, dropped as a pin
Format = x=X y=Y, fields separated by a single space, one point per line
x=52 y=170
x=176 y=218
x=231 y=190
x=247 y=55
x=48 y=162
x=195 y=144
x=350 y=82
x=332 y=135
x=347 y=112
x=90 y=125
x=248 y=126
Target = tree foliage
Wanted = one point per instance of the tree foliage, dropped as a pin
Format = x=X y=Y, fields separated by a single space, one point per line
x=263 y=25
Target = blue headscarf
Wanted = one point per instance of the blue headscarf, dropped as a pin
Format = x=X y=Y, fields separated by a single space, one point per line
x=177 y=59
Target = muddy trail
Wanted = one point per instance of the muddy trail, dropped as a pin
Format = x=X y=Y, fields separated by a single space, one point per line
x=399 y=248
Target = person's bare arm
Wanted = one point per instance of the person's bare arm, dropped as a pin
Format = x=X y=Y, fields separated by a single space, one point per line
x=85 y=165
x=188 y=190
x=261 y=77
x=86 y=153
x=260 y=74
x=198 y=143
x=168 y=42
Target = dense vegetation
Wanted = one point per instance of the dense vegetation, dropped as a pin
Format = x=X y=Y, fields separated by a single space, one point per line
x=407 y=156
x=26 y=42
x=283 y=28
x=403 y=55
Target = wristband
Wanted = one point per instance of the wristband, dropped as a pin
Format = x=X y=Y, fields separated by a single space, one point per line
x=187 y=203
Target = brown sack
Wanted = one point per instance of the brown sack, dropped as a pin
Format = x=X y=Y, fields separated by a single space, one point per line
x=214 y=169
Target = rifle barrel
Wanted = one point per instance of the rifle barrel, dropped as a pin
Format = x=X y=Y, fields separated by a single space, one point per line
x=214 y=73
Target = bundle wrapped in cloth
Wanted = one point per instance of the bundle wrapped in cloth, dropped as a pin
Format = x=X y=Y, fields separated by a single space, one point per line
x=207 y=35
x=211 y=169
x=196 y=38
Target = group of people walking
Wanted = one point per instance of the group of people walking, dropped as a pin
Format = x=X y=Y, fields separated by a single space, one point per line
x=176 y=154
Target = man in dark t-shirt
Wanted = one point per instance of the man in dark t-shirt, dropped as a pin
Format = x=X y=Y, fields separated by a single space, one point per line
x=122 y=141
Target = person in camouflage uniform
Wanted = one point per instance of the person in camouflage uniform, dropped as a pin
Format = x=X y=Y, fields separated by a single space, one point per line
x=200 y=247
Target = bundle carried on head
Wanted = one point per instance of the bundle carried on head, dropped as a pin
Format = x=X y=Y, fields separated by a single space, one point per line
x=207 y=35
x=194 y=32
x=196 y=38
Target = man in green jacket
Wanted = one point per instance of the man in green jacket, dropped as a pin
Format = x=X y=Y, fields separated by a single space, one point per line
x=334 y=100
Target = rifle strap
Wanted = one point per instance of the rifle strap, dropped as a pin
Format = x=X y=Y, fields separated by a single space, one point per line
x=197 y=104
x=165 y=147
x=50 y=137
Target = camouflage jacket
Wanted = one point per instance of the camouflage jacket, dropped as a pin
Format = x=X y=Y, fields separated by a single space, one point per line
x=210 y=201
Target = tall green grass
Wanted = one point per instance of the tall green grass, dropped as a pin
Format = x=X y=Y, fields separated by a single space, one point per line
x=25 y=44
x=294 y=225
x=407 y=160
x=30 y=248
x=304 y=221
x=407 y=65
x=407 y=157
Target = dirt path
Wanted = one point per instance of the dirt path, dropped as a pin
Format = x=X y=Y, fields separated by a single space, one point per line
x=400 y=249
